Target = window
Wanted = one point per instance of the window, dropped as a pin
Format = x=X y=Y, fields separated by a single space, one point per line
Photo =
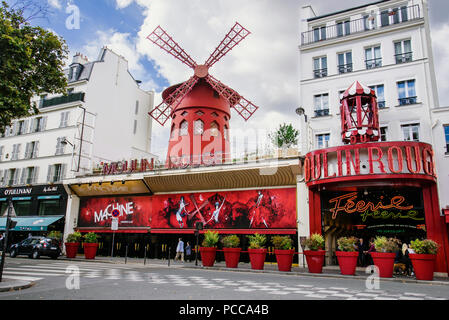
x=31 y=150
x=22 y=127
x=214 y=129
x=322 y=140
x=320 y=67
x=198 y=127
x=135 y=127
x=12 y=177
x=407 y=92
x=380 y=94
x=321 y=104
x=64 y=119
x=184 y=128
x=343 y=28
x=23 y=207
x=15 y=152
x=50 y=207
x=403 y=51
x=373 y=58
x=29 y=175
x=394 y=16
x=345 y=62
x=319 y=33
x=410 y=132
x=56 y=172
x=60 y=146
x=2 y=148
x=383 y=133
x=38 y=124
x=446 y=137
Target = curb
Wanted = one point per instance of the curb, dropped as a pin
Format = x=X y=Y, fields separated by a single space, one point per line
x=16 y=286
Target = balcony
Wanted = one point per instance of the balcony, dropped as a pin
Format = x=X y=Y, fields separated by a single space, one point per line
x=373 y=63
x=345 y=68
x=381 y=104
x=403 y=57
x=367 y=23
x=321 y=113
x=407 y=101
x=71 y=97
x=320 y=73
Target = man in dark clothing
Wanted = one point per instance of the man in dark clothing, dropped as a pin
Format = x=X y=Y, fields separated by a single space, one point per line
x=361 y=248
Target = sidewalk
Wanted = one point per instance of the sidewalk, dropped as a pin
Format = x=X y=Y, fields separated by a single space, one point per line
x=328 y=272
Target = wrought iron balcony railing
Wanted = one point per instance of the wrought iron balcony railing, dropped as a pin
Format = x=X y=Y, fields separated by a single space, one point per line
x=404 y=57
x=344 y=68
x=320 y=73
x=321 y=113
x=373 y=63
x=71 y=97
x=407 y=101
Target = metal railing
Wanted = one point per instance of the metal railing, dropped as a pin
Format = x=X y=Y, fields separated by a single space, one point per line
x=345 y=68
x=320 y=73
x=373 y=63
x=321 y=113
x=367 y=23
x=71 y=97
x=381 y=104
x=403 y=57
x=407 y=101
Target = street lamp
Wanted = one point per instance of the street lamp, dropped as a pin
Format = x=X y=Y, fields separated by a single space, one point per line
x=304 y=129
x=65 y=142
x=9 y=225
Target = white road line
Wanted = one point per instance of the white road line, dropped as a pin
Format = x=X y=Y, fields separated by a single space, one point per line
x=278 y=292
x=23 y=278
x=34 y=269
x=316 y=296
x=32 y=273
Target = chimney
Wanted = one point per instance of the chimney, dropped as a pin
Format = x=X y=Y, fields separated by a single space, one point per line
x=78 y=58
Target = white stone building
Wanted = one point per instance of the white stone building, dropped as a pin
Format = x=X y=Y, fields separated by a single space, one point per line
x=104 y=117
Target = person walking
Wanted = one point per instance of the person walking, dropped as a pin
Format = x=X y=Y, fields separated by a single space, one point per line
x=361 y=248
x=1 y=242
x=180 y=250
x=188 y=252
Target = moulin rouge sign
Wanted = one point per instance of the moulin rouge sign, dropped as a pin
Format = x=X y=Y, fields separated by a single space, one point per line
x=384 y=158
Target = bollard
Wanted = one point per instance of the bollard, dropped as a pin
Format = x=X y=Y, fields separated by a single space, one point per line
x=145 y=256
x=126 y=254
x=169 y=256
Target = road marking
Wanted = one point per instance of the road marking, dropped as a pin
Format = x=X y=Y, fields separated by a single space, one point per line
x=23 y=278
x=316 y=296
x=33 y=274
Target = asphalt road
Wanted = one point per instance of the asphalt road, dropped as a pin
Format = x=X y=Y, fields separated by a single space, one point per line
x=75 y=280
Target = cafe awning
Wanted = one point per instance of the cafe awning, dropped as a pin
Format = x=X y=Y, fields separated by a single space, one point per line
x=30 y=223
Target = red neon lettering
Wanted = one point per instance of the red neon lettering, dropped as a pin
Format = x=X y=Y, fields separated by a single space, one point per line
x=408 y=153
x=371 y=160
x=391 y=159
x=350 y=160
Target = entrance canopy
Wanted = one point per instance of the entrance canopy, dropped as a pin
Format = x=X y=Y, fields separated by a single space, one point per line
x=30 y=223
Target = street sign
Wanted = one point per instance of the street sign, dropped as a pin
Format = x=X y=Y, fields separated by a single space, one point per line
x=115 y=213
x=114 y=224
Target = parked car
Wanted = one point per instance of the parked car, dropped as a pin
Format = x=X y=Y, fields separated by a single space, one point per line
x=34 y=247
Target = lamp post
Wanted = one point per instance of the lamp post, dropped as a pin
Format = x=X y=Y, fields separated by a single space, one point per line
x=304 y=130
x=5 y=241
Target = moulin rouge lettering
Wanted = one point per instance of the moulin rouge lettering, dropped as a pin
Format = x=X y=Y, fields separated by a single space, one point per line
x=105 y=214
x=346 y=204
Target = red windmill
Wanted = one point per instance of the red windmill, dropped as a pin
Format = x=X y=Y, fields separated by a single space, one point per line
x=200 y=108
x=359 y=114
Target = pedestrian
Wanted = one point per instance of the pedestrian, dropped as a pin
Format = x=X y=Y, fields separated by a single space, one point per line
x=372 y=248
x=180 y=250
x=361 y=247
x=1 y=242
x=188 y=252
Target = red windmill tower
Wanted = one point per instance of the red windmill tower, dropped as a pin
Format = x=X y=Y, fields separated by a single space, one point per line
x=359 y=115
x=200 y=108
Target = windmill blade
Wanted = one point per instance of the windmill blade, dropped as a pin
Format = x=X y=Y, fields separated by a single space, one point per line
x=244 y=107
x=164 y=111
x=233 y=38
x=161 y=38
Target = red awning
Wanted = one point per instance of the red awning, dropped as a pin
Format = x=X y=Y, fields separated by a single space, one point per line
x=446 y=214
x=108 y=230
x=225 y=231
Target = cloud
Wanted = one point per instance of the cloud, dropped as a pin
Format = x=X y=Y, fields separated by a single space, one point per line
x=55 y=4
x=440 y=44
x=121 y=4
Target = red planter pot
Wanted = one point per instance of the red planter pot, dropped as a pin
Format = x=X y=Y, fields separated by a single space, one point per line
x=71 y=249
x=385 y=262
x=208 y=256
x=257 y=258
x=284 y=259
x=423 y=265
x=315 y=260
x=347 y=262
x=90 y=250
x=232 y=257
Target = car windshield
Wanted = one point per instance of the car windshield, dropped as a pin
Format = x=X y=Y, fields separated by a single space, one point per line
x=35 y=241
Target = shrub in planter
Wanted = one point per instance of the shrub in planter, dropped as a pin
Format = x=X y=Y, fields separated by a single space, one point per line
x=347 y=256
x=385 y=254
x=231 y=250
x=283 y=249
x=72 y=243
x=208 y=248
x=257 y=251
x=90 y=245
x=315 y=253
x=423 y=260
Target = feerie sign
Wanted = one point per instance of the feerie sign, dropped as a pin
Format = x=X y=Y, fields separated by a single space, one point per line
x=384 y=158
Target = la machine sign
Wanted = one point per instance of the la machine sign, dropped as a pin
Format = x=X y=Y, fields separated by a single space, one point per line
x=402 y=158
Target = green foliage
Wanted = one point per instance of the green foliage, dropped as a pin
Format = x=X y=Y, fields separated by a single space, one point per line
x=74 y=237
x=382 y=244
x=31 y=60
x=347 y=244
x=231 y=241
x=210 y=239
x=282 y=242
x=285 y=136
x=315 y=242
x=91 y=237
x=257 y=241
x=426 y=246
x=54 y=235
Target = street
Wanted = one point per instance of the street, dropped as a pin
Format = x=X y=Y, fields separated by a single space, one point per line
x=83 y=280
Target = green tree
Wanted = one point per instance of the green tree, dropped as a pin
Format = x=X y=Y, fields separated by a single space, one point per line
x=31 y=63
x=285 y=136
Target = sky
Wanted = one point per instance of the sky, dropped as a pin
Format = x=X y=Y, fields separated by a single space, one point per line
x=263 y=68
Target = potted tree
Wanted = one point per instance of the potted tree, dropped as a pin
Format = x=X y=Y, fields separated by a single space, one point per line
x=315 y=254
x=90 y=245
x=209 y=248
x=283 y=249
x=231 y=250
x=385 y=254
x=257 y=251
x=347 y=255
x=72 y=244
x=423 y=260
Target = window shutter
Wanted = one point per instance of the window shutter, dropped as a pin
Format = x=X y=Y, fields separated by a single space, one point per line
x=16 y=176
x=35 y=175
x=50 y=173
x=14 y=128
x=28 y=151
x=6 y=177
x=63 y=172
x=36 y=149
x=24 y=176
x=1 y=178
x=44 y=123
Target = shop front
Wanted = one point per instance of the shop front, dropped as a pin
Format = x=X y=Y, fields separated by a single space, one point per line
x=376 y=189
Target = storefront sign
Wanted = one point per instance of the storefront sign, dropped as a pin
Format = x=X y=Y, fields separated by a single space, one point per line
x=385 y=158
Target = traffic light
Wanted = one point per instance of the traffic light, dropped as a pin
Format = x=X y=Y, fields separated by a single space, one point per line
x=12 y=224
